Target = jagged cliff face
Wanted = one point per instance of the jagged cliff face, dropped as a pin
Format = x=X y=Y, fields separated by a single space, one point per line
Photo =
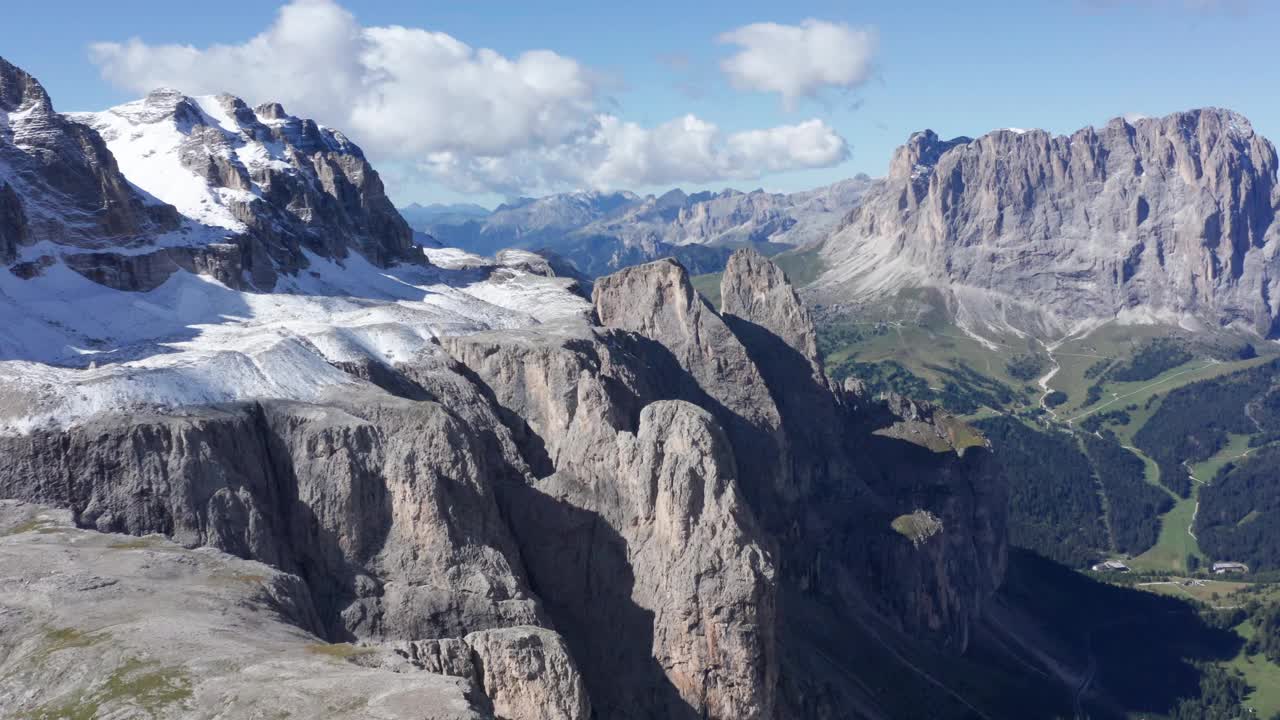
x=541 y=506
x=130 y=196
x=275 y=184
x=58 y=181
x=1163 y=219
x=646 y=489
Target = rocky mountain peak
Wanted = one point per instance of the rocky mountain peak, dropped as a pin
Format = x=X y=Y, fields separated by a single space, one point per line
x=1168 y=219
x=645 y=290
x=20 y=91
x=58 y=180
x=756 y=290
x=275 y=185
x=271 y=111
x=164 y=104
x=921 y=152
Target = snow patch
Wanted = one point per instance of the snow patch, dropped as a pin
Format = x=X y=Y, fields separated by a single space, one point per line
x=74 y=348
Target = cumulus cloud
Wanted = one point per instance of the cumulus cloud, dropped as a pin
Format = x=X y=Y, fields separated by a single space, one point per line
x=799 y=61
x=619 y=154
x=472 y=117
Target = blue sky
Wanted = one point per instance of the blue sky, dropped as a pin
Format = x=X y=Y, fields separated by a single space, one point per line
x=956 y=67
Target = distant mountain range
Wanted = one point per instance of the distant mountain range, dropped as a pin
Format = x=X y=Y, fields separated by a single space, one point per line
x=1161 y=220
x=423 y=216
x=601 y=232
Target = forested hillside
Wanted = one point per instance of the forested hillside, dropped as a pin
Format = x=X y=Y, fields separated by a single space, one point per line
x=1134 y=506
x=1239 y=515
x=1193 y=422
x=1054 y=506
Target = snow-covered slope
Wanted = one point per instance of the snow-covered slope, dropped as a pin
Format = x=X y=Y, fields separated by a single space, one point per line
x=283 y=263
x=71 y=348
x=272 y=183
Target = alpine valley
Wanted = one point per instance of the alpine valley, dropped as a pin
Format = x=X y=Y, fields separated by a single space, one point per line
x=270 y=447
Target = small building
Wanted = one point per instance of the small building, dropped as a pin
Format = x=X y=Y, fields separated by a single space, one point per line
x=1111 y=566
x=1222 y=568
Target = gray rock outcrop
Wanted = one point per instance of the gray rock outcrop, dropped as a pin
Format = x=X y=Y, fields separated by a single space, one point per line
x=636 y=528
x=381 y=506
x=59 y=181
x=1161 y=219
x=528 y=674
x=755 y=289
x=104 y=625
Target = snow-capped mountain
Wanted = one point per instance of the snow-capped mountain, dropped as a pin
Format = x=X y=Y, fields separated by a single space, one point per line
x=601 y=232
x=275 y=183
x=60 y=184
x=176 y=251
x=501 y=497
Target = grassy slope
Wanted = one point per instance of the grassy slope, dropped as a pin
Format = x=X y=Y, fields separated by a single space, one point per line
x=708 y=286
x=1208 y=470
x=924 y=346
x=1174 y=544
x=1262 y=676
x=1202 y=592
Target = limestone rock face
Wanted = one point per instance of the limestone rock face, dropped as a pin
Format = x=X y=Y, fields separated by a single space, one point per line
x=381 y=507
x=443 y=656
x=756 y=290
x=1159 y=219
x=528 y=674
x=714 y=595
x=636 y=528
x=657 y=302
x=58 y=180
x=13 y=223
x=104 y=625
x=464 y=476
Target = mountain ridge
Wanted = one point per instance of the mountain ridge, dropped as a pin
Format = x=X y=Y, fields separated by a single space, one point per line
x=1163 y=220
x=604 y=231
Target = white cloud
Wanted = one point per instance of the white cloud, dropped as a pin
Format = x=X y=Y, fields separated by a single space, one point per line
x=619 y=154
x=397 y=89
x=474 y=118
x=798 y=61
